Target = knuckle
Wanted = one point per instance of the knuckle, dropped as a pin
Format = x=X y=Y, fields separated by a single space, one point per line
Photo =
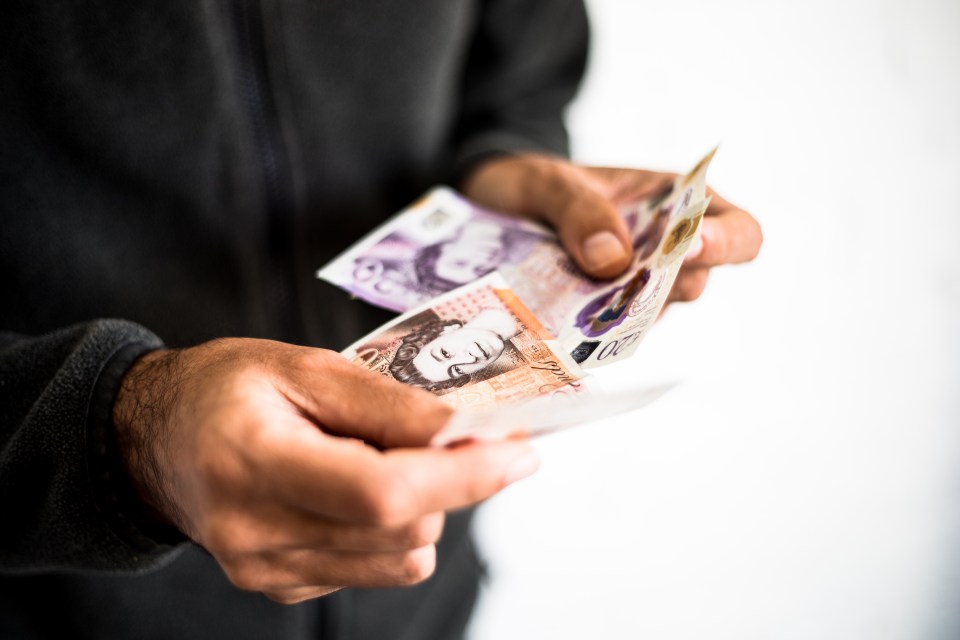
x=237 y=541
x=690 y=285
x=422 y=532
x=387 y=505
x=557 y=175
x=219 y=539
x=245 y=576
x=418 y=565
x=312 y=359
x=223 y=534
x=301 y=365
x=698 y=285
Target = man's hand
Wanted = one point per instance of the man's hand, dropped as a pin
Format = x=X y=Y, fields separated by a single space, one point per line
x=581 y=203
x=300 y=472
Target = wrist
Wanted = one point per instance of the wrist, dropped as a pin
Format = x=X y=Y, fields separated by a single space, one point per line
x=140 y=416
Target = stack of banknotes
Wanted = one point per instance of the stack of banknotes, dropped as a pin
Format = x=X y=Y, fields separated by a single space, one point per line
x=498 y=321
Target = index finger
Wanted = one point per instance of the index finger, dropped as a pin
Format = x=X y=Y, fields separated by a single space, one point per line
x=352 y=482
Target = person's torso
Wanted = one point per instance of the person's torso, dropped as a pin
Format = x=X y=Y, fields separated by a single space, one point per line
x=189 y=165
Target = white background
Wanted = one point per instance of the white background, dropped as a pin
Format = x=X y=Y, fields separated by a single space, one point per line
x=804 y=482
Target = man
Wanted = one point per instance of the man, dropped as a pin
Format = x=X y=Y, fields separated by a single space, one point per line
x=184 y=167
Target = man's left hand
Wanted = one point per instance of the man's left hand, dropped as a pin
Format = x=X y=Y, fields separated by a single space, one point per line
x=582 y=204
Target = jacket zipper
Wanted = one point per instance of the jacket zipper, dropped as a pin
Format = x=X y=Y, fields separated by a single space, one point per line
x=275 y=175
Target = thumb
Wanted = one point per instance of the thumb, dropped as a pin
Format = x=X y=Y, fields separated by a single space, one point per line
x=567 y=197
x=591 y=229
x=349 y=400
x=589 y=225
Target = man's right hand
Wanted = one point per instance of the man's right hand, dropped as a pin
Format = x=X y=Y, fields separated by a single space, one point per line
x=300 y=472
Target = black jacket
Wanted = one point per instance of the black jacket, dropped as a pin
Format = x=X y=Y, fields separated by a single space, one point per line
x=184 y=167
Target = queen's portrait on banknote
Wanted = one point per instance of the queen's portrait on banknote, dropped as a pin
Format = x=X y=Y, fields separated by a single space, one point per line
x=443 y=354
x=438 y=244
x=478 y=345
x=474 y=250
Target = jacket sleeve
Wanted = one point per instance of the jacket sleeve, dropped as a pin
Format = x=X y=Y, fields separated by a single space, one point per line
x=524 y=65
x=65 y=500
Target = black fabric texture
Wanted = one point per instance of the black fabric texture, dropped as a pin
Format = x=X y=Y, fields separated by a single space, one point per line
x=185 y=167
x=121 y=507
x=52 y=514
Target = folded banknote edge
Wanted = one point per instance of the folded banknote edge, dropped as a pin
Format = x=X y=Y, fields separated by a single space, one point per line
x=544 y=415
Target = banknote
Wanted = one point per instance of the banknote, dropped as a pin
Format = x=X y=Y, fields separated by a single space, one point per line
x=444 y=241
x=604 y=322
x=541 y=416
x=685 y=189
x=477 y=346
x=441 y=242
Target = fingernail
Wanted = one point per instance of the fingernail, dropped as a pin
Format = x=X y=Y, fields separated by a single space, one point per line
x=522 y=467
x=602 y=249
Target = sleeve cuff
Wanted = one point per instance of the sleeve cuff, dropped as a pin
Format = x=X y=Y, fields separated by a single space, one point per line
x=113 y=489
